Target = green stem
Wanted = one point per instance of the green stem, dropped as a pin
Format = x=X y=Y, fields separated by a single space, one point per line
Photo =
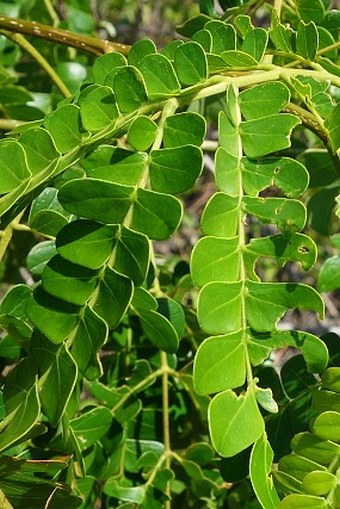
x=138 y=387
x=6 y=235
x=7 y=124
x=278 y=7
x=166 y=420
x=241 y=247
x=52 y=13
x=57 y=35
x=324 y=50
x=309 y=120
x=4 y=502
x=24 y=44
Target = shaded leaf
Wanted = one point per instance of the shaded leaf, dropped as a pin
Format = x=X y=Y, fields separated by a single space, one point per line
x=129 y=88
x=260 y=465
x=58 y=372
x=64 y=125
x=55 y=318
x=190 y=63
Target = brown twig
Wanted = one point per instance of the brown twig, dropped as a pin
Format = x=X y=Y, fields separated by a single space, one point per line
x=57 y=35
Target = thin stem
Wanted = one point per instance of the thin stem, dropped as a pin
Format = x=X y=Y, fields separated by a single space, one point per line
x=57 y=35
x=324 y=50
x=309 y=120
x=166 y=420
x=7 y=124
x=52 y=13
x=138 y=387
x=278 y=7
x=6 y=235
x=24 y=44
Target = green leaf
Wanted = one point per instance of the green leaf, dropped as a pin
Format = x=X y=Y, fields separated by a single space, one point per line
x=327 y=426
x=326 y=400
x=318 y=483
x=235 y=422
x=190 y=63
x=192 y=25
x=320 y=209
x=265 y=399
x=116 y=165
x=156 y=214
x=159 y=76
x=204 y=38
x=58 y=372
x=97 y=107
x=314 y=448
x=12 y=176
x=64 y=126
x=131 y=494
x=126 y=262
x=159 y=330
x=142 y=133
x=55 y=318
x=106 y=66
x=220 y=363
x=303 y=502
x=143 y=300
x=91 y=426
x=14 y=302
x=169 y=49
x=175 y=170
x=173 y=311
x=268 y=134
x=311 y=10
x=223 y=36
x=129 y=88
x=289 y=215
x=9 y=200
x=325 y=40
x=330 y=379
x=313 y=349
x=320 y=167
x=261 y=460
x=255 y=43
x=96 y=199
x=227 y=168
x=90 y=335
x=48 y=222
x=113 y=297
x=69 y=282
x=22 y=404
x=187 y=128
x=281 y=35
x=298 y=466
x=220 y=216
x=332 y=125
x=236 y=58
x=307 y=40
x=329 y=275
x=141 y=49
x=86 y=243
x=299 y=248
x=215 y=259
x=276 y=298
x=270 y=97
x=219 y=307
x=39 y=149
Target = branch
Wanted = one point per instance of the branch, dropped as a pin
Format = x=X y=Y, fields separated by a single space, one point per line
x=24 y=44
x=65 y=37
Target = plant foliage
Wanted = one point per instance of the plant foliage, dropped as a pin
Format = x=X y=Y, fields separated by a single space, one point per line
x=123 y=361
